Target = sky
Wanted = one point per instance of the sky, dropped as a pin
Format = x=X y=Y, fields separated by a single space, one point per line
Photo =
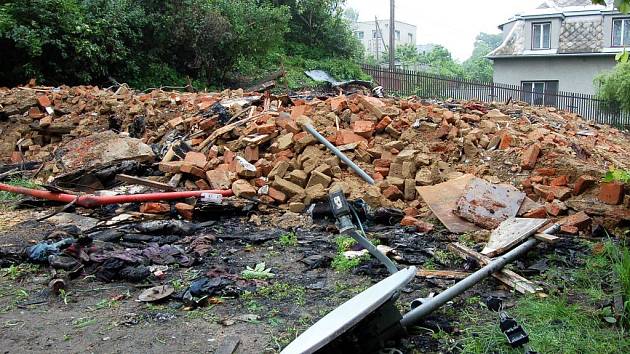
x=451 y=23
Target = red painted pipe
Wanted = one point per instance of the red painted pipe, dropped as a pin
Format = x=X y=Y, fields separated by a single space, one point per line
x=90 y=201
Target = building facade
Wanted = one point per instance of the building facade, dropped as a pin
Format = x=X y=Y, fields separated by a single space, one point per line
x=560 y=46
x=374 y=36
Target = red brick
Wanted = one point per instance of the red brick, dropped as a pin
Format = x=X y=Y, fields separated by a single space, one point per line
x=382 y=163
x=170 y=167
x=553 y=209
x=251 y=153
x=408 y=221
x=219 y=179
x=383 y=171
x=35 y=113
x=363 y=128
x=266 y=129
x=260 y=182
x=299 y=136
x=580 y=220
x=208 y=124
x=583 y=183
x=44 y=101
x=354 y=108
x=155 y=208
x=538 y=213
x=443 y=130
x=561 y=181
x=392 y=193
x=526 y=183
x=546 y=171
x=530 y=156
x=17 y=157
x=378 y=177
x=611 y=193
x=298 y=111
x=202 y=184
x=568 y=229
x=185 y=210
x=506 y=141
x=549 y=193
x=277 y=195
x=228 y=156
x=424 y=227
x=536 y=179
x=196 y=159
x=338 y=104
x=410 y=211
x=192 y=170
x=345 y=137
x=383 y=124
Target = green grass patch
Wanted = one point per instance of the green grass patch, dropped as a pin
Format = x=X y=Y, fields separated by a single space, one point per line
x=554 y=326
x=288 y=239
x=6 y=197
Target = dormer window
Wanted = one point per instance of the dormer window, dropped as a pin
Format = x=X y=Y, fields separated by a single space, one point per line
x=541 y=35
x=621 y=32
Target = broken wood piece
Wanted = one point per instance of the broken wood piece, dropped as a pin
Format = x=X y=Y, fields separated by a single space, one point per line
x=510 y=233
x=550 y=239
x=145 y=182
x=228 y=345
x=442 y=274
x=508 y=277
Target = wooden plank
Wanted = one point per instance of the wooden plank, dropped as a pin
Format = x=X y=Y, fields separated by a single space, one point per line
x=550 y=239
x=145 y=182
x=510 y=233
x=442 y=274
x=508 y=277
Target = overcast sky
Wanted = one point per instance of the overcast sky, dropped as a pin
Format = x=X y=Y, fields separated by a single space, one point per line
x=451 y=23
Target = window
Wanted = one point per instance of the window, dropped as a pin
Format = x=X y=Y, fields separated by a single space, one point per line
x=410 y=38
x=375 y=34
x=397 y=35
x=360 y=34
x=541 y=35
x=540 y=93
x=621 y=32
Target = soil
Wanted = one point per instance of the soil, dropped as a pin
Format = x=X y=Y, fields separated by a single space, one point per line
x=87 y=320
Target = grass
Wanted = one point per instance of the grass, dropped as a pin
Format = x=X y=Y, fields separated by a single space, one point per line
x=342 y=263
x=20 y=182
x=288 y=239
x=570 y=320
x=15 y=272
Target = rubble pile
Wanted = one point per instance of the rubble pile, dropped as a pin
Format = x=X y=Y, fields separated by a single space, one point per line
x=254 y=145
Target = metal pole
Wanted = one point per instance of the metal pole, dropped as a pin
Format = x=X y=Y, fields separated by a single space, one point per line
x=433 y=304
x=338 y=153
x=392 y=37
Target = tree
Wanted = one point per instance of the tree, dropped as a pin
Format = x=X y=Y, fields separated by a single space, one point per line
x=478 y=67
x=614 y=87
x=441 y=62
x=622 y=5
x=351 y=15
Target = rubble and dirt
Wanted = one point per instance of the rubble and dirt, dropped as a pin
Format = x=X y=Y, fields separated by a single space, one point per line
x=469 y=165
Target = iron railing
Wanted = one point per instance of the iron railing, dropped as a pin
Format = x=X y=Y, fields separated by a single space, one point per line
x=425 y=85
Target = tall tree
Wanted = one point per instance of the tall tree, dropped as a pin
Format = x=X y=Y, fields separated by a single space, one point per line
x=478 y=67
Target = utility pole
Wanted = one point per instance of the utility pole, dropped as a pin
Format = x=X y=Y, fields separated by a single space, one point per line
x=392 y=35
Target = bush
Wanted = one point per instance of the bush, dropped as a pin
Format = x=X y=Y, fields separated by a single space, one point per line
x=614 y=87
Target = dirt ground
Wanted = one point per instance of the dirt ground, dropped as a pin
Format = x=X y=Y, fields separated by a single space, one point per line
x=97 y=317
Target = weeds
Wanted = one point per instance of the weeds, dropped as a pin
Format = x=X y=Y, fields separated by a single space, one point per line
x=615 y=175
x=342 y=263
x=20 y=182
x=258 y=272
x=344 y=243
x=15 y=272
x=620 y=259
x=289 y=239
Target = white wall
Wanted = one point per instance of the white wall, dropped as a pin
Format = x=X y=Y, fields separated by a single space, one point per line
x=371 y=45
x=575 y=74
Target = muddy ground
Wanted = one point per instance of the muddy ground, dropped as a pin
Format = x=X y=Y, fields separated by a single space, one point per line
x=96 y=317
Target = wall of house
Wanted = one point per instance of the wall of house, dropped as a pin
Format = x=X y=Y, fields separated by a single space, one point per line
x=556 y=24
x=575 y=74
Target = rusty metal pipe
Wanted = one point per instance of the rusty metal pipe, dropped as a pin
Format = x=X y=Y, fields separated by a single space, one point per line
x=91 y=201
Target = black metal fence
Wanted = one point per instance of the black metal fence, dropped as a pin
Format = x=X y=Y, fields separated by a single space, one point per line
x=408 y=83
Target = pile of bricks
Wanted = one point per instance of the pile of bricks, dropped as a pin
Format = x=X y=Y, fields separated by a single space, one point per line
x=554 y=157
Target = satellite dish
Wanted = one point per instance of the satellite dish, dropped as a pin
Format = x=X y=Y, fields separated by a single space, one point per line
x=349 y=314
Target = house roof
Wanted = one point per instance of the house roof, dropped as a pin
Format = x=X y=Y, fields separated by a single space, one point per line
x=581 y=32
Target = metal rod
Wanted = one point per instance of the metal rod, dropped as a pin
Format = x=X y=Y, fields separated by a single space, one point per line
x=391 y=267
x=433 y=304
x=338 y=153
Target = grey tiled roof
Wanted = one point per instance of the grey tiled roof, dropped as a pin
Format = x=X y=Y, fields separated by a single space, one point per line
x=581 y=36
x=565 y=3
x=514 y=44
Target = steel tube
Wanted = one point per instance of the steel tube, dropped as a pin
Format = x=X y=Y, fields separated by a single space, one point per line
x=91 y=201
x=414 y=316
x=388 y=263
x=338 y=153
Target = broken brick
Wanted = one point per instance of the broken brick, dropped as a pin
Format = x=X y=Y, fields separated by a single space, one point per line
x=242 y=188
x=384 y=123
x=530 y=157
x=155 y=208
x=185 y=210
x=196 y=158
x=580 y=220
x=561 y=181
x=583 y=183
x=506 y=141
x=345 y=137
x=611 y=193
x=392 y=193
x=44 y=101
x=363 y=128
